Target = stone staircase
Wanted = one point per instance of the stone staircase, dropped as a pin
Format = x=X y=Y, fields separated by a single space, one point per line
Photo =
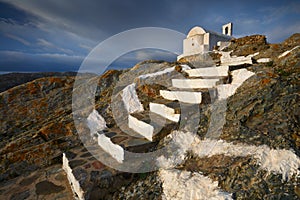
x=182 y=92
x=144 y=127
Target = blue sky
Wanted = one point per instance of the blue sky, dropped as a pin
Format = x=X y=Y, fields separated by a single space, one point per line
x=56 y=35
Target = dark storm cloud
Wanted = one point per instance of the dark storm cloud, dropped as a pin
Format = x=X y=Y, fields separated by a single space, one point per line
x=99 y=19
x=72 y=28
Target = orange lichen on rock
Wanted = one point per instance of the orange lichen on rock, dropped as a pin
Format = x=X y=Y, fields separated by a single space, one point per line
x=33 y=88
x=149 y=91
x=109 y=73
x=54 y=130
x=265 y=81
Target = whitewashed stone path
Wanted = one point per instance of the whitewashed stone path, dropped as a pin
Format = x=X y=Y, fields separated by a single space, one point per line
x=287 y=52
x=75 y=185
x=183 y=184
x=179 y=184
x=164 y=111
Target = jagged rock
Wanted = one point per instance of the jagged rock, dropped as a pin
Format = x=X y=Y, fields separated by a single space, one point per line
x=292 y=41
x=202 y=60
x=265 y=111
x=248 y=45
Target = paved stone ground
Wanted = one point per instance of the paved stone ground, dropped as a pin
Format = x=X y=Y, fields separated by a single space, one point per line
x=49 y=183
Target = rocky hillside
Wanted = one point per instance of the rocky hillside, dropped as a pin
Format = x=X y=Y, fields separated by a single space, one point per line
x=251 y=153
x=14 y=79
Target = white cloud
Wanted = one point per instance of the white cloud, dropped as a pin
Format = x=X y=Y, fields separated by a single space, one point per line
x=21 y=61
x=12 y=27
x=48 y=45
x=272 y=14
x=78 y=17
x=32 y=34
x=86 y=47
x=282 y=32
x=19 y=39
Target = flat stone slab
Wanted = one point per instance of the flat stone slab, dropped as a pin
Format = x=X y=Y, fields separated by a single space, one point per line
x=47 y=183
x=141 y=127
x=164 y=111
x=124 y=136
x=221 y=71
x=194 y=83
x=182 y=96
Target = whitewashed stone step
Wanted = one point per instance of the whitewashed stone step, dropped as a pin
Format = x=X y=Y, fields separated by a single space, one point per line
x=221 y=71
x=108 y=146
x=131 y=99
x=95 y=122
x=164 y=111
x=264 y=60
x=194 y=83
x=227 y=59
x=238 y=78
x=141 y=127
x=182 y=96
x=226 y=90
x=287 y=52
x=72 y=180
